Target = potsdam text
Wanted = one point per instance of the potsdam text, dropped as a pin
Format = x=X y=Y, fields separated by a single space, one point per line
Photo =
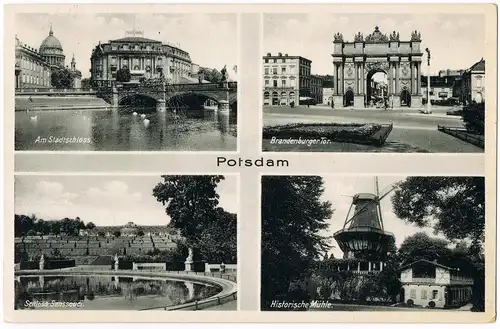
x=260 y=162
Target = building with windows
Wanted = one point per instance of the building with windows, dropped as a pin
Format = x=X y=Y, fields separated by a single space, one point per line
x=31 y=69
x=451 y=73
x=431 y=284
x=317 y=88
x=34 y=67
x=473 y=83
x=441 y=87
x=286 y=79
x=145 y=58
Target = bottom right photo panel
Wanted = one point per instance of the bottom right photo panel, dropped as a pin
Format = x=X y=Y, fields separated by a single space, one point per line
x=372 y=243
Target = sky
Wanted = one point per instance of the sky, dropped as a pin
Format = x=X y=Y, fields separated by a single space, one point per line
x=456 y=41
x=211 y=39
x=103 y=200
x=339 y=191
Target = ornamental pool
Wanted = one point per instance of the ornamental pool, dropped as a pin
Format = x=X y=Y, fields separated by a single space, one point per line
x=105 y=292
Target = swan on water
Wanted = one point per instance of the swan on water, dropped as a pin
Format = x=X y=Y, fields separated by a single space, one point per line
x=143 y=116
x=34 y=118
x=146 y=122
x=134 y=114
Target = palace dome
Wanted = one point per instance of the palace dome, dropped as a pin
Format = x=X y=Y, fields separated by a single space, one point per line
x=129 y=229
x=51 y=45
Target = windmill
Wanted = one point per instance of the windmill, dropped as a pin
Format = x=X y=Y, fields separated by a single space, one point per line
x=363 y=235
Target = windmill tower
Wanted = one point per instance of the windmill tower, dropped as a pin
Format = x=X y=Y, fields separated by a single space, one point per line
x=363 y=237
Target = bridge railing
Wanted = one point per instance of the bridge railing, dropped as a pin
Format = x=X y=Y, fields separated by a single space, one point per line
x=53 y=90
x=156 y=86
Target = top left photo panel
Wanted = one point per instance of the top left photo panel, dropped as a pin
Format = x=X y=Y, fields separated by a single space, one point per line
x=125 y=82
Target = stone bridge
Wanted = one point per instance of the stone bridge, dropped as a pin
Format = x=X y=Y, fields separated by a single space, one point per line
x=223 y=93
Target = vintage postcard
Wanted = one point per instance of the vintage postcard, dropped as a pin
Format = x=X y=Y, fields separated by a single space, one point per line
x=245 y=162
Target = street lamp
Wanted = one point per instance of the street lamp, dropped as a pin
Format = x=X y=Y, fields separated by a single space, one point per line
x=428 y=81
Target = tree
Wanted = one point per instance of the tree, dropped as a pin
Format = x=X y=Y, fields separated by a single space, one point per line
x=218 y=242
x=123 y=75
x=421 y=246
x=212 y=75
x=473 y=115
x=190 y=202
x=292 y=215
x=454 y=206
x=101 y=234
x=86 y=83
x=140 y=233
x=61 y=79
x=117 y=233
x=90 y=226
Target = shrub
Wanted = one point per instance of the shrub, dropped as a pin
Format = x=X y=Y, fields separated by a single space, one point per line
x=473 y=117
x=432 y=304
x=410 y=302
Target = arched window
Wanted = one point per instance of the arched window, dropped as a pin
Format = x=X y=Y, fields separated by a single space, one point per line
x=267 y=97
x=275 y=98
x=284 y=98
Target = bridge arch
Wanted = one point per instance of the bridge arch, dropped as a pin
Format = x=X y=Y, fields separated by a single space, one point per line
x=137 y=100
x=193 y=100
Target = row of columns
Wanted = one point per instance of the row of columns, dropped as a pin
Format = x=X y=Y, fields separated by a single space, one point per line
x=370 y=268
x=393 y=78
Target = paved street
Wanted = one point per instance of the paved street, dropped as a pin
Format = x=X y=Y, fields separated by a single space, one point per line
x=412 y=131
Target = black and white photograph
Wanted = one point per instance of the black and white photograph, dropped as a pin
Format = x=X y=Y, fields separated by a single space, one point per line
x=125 y=82
x=163 y=243
x=363 y=243
x=374 y=82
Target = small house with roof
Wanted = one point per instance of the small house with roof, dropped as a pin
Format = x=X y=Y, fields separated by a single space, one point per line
x=430 y=284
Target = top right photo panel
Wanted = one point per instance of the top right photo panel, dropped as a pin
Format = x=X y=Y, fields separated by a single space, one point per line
x=374 y=83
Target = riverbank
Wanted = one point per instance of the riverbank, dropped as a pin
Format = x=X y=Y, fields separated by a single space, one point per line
x=49 y=103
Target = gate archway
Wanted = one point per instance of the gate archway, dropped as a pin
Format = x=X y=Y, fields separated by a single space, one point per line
x=405 y=98
x=354 y=62
x=349 y=98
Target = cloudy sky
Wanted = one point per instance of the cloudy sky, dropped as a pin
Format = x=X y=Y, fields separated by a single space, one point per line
x=211 y=39
x=103 y=200
x=339 y=191
x=455 y=41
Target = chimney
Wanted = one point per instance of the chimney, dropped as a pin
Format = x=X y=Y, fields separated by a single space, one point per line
x=280 y=54
x=268 y=54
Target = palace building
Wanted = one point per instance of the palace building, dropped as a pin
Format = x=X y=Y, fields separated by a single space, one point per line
x=145 y=58
x=286 y=79
x=34 y=66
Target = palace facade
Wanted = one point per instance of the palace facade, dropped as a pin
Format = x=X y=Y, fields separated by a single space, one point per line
x=33 y=67
x=145 y=59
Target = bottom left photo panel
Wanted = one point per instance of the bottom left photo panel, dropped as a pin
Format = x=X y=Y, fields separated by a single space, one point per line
x=127 y=242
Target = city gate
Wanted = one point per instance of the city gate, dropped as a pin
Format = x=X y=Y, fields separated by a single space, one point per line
x=356 y=62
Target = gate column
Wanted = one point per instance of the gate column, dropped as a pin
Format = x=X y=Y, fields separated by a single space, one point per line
x=359 y=98
x=395 y=91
